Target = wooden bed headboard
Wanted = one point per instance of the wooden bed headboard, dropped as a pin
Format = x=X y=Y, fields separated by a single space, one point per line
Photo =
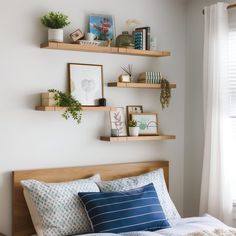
x=22 y=224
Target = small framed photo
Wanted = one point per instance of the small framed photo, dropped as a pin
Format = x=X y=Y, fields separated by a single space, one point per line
x=117 y=118
x=86 y=83
x=76 y=35
x=102 y=26
x=131 y=109
x=147 y=122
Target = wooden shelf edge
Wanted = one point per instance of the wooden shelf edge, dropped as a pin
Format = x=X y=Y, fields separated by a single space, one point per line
x=139 y=138
x=98 y=49
x=84 y=108
x=137 y=85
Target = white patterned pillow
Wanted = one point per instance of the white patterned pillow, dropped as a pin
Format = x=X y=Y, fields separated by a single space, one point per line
x=55 y=208
x=156 y=177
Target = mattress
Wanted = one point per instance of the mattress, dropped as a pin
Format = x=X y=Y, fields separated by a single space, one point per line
x=183 y=227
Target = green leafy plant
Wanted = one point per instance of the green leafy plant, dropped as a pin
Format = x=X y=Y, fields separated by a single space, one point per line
x=165 y=93
x=73 y=107
x=132 y=123
x=55 y=20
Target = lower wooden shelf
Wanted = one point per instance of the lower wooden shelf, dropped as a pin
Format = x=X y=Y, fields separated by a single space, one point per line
x=139 y=138
x=84 y=108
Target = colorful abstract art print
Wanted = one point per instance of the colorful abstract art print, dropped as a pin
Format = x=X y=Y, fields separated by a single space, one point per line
x=102 y=26
x=117 y=118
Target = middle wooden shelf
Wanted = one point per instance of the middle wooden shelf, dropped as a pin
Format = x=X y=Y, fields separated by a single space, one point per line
x=137 y=85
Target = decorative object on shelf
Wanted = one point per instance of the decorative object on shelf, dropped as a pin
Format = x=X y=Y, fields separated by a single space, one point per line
x=138 y=40
x=124 y=79
x=146 y=32
x=150 y=77
x=133 y=128
x=102 y=26
x=133 y=109
x=47 y=99
x=86 y=83
x=147 y=123
x=125 y=40
x=90 y=36
x=90 y=43
x=117 y=118
x=55 y=21
x=102 y=102
x=77 y=35
x=127 y=78
x=114 y=132
x=165 y=95
x=131 y=24
x=73 y=107
x=153 y=43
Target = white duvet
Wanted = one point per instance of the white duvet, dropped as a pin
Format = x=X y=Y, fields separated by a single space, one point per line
x=184 y=227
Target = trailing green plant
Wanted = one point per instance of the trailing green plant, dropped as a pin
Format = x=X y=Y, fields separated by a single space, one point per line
x=55 y=20
x=132 y=123
x=73 y=107
x=165 y=93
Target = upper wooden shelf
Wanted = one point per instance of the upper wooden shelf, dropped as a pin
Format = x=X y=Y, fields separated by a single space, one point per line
x=84 y=108
x=114 y=50
x=137 y=85
x=139 y=138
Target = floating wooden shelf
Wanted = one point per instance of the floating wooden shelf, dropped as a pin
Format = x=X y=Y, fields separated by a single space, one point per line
x=139 y=138
x=84 y=108
x=115 y=50
x=137 y=85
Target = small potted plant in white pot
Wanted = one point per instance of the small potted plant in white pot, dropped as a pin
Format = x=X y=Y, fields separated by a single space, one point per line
x=55 y=22
x=133 y=128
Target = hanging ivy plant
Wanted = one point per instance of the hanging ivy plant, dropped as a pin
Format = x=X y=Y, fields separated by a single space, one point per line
x=73 y=107
x=165 y=93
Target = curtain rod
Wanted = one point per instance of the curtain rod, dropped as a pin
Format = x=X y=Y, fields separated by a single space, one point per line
x=229 y=7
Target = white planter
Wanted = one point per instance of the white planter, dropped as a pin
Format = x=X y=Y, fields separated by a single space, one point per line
x=133 y=131
x=55 y=35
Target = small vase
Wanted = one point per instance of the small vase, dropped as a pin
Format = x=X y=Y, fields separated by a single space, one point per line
x=133 y=131
x=125 y=40
x=55 y=35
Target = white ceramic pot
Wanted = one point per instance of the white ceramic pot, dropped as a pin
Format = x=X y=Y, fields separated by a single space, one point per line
x=55 y=35
x=133 y=131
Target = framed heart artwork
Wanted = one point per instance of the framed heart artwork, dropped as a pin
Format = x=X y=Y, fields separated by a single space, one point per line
x=86 y=83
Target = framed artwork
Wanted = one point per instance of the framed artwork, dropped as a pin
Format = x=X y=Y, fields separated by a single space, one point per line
x=133 y=109
x=102 y=26
x=117 y=118
x=147 y=122
x=86 y=83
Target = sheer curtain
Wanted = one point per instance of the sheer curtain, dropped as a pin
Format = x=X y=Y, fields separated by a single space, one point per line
x=216 y=191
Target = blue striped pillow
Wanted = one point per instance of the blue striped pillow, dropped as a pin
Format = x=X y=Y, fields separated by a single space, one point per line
x=117 y=212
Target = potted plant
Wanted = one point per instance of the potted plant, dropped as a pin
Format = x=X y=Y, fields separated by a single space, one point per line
x=133 y=128
x=73 y=107
x=55 y=22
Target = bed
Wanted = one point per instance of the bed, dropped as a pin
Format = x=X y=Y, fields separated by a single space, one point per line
x=22 y=223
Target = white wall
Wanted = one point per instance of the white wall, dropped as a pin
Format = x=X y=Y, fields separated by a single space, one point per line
x=194 y=134
x=32 y=139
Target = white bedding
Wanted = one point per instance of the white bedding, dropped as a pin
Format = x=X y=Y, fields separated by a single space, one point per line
x=182 y=227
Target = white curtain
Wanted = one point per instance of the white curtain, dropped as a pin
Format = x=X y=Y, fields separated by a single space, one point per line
x=216 y=198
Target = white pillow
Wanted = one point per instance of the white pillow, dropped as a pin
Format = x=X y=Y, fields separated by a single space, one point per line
x=156 y=177
x=55 y=208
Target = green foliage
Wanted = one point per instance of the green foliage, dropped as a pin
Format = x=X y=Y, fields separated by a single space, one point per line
x=73 y=107
x=132 y=123
x=165 y=95
x=55 y=20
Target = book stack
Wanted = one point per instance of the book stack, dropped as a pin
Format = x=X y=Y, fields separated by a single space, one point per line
x=150 y=77
x=142 y=38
